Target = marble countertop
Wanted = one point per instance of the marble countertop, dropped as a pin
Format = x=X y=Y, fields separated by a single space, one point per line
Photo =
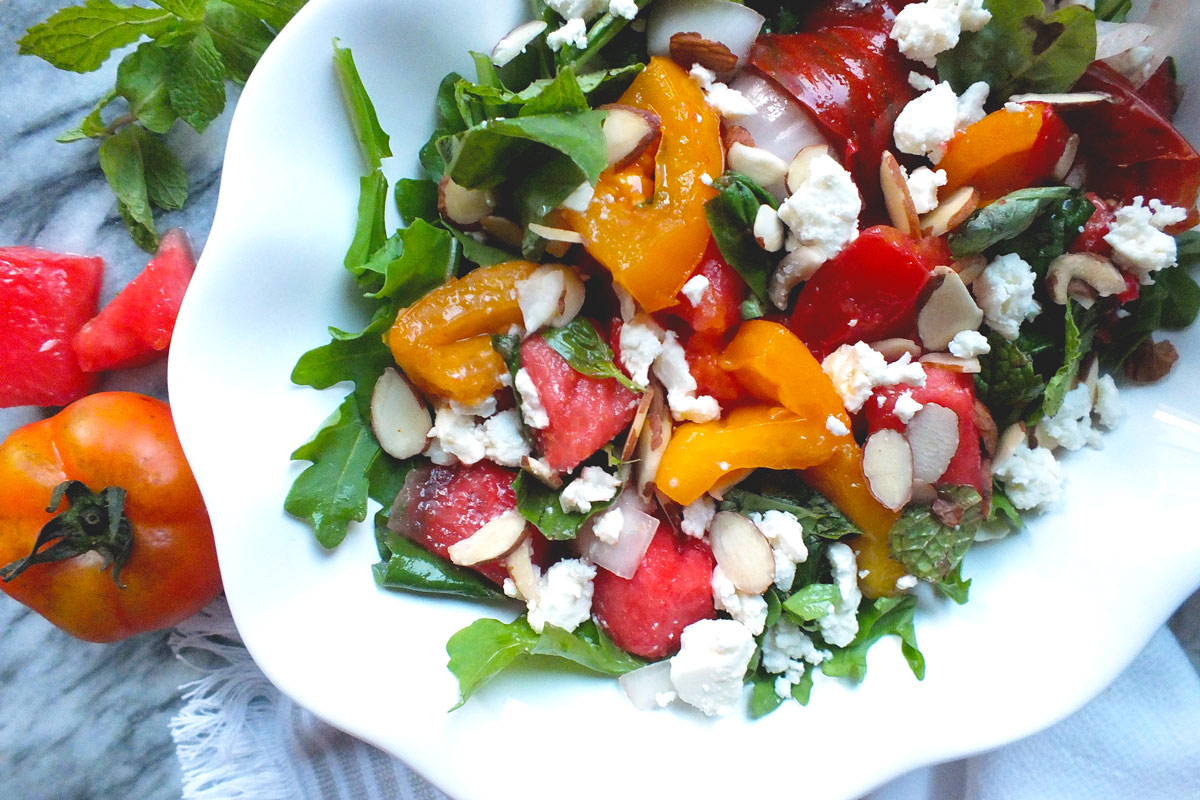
x=80 y=720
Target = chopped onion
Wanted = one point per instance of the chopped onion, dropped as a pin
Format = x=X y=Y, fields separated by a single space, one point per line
x=649 y=687
x=732 y=24
x=1114 y=38
x=782 y=126
x=623 y=557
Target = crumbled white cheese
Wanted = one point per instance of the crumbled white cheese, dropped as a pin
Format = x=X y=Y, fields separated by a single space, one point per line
x=786 y=650
x=923 y=185
x=695 y=288
x=920 y=82
x=707 y=671
x=564 y=597
x=697 y=515
x=1031 y=477
x=906 y=407
x=1107 y=405
x=856 y=369
x=572 y=32
x=511 y=590
x=623 y=8
x=641 y=343
x=748 y=609
x=906 y=582
x=608 y=525
x=625 y=303
x=836 y=426
x=840 y=625
x=457 y=435
x=584 y=9
x=1014 y=108
x=923 y=30
x=540 y=296
x=593 y=485
x=786 y=537
x=484 y=408
x=927 y=124
x=671 y=367
x=531 y=402
x=1139 y=244
x=768 y=229
x=967 y=344
x=581 y=198
x=1005 y=294
x=1071 y=426
x=729 y=103
x=502 y=439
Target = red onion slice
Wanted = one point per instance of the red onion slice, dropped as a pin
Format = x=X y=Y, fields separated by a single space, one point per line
x=649 y=687
x=782 y=126
x=732 y=24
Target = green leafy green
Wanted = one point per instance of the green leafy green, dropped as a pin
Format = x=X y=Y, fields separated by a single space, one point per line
x=1023 y=49
x=763 y=699
x=886 y=616
x=241 y=38
x=587 y=353
x=541 y=505
x=928 y=548
x=411 y=567
x=1051 y=234
x=1007 y=218
x=812 y=601
x=1113 y=10
x=374 y=143
x=487 y=647
x=416 y=199
x=142 y=79
x=81 y=38
x=427 y=259
x=361 y=359
x=195 y=75
x=370 y=231
x=1007 y=382
x=276 y=13
x=731 y=216
x=766 y=490
x=953 y=585
x=142 y=173
x=1077 y=344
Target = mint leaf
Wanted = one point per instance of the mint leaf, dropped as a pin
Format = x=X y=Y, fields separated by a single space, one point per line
x=887 y=616
x=1007 y=382
x=782 y=491
x=332 y=491
x=374 y=143
x=411 y=567
x=541 y=505
x=731 y=217
x=1007 y=218
x=1077 y=343
x=240 y=37
x=196 y=77
x=142 y=79
x=124 y=168
x=190 y=10
x=92 y=126
x=166 y=179
x=929 y=549
x=587 y=353
x=275 y=13
x=81 y=38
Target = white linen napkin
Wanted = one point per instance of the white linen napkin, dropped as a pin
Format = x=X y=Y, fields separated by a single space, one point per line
x=238 y=738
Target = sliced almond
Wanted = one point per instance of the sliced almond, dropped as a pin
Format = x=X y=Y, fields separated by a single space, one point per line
x=1064 y=99
x=652 y=443
x=639 y=422
x=923 y=493
x=762 y=166
x=892 y=349
x=952 y=363
x=522 y=570
x=1067 y=160
x=888 y=467
x=949 y=310
x=897 y=197
x=735 y=134
x=545 y=473
x=951 y=212
x=932 y=435
x=556 y=234
x=970 y=268
x=798 y=170
x=1014 y=435
x=462 y=206
x=742 y=552
x=728 y=481
x=503 y=230
x=399 y=418
x=692 y=48
x=989 y=434
x=1083 y=277
x=497 y=537
x=515 y=41
x=628 y=131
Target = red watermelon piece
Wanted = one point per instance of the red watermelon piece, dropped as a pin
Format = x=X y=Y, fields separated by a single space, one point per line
x=585 y=413
x=44 y=299
x=444 y=505
x=135 y=328
x=671 y=589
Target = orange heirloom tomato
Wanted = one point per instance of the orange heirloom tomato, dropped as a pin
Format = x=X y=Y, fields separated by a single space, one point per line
x=651 y=244
x=701 y=453
x=1005 y=151
x=774 y=365
x=132 y=504
x=443 y=341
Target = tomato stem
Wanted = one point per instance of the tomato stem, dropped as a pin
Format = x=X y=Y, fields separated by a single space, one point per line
x=92 y=521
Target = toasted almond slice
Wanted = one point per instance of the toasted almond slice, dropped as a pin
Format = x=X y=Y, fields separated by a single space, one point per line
x=522 y=570
x=923 y=493
x=892 y=349
x=652 y=443
x=497 y=537
x=503 y=230
x=462 y=206
x=556 y=234
x=1083 y=277
x=762 y=166
x=932 y=435
x=970 y=268
x=735 y=134
x=952 y=363
x=897 y=197
x=639 y=422
x=888 y=467
x=689 y=48
x=1013 y=436
x=628 y=131
x=539 y=469
x=742 y=552
x=951 y=212
x=728 y=481
x=515 y=41
x=399 y=417
x=1063 y=99
x=948 y=311
x=989 y=435
x=798 y=170
x=1067 y=160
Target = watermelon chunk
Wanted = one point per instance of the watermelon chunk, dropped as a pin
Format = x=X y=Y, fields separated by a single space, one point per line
x=585 y=413
x=671 y=589
x=135 y=328
x=44 y=299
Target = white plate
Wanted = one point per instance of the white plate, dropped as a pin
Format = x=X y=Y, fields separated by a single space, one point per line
x=1055 y=614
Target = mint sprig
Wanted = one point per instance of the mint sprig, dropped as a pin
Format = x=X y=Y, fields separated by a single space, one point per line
x=189 y=50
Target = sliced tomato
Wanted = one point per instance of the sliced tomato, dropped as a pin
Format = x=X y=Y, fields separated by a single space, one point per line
x=1091 y=239
x=1161 y=90
x=719 y=308
x=867 y=293
x=878 y=15
x=44 y=300
x=703 y=353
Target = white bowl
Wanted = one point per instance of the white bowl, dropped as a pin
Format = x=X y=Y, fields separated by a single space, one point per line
x=1055 y=614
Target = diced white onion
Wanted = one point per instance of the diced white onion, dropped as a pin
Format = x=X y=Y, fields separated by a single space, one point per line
x=649 y=687
x=622 y=558
x=782 y=126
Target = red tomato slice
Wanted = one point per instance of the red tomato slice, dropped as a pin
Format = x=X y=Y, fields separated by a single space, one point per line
x=719 y=306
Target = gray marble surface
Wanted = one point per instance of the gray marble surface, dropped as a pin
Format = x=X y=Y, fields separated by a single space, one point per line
x=80 y=721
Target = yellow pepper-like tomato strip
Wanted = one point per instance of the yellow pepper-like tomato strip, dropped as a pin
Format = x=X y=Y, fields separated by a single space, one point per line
x=699 y=454
x=443 y=341
x=652 y=248
x=773 y=364
x=1005 y=151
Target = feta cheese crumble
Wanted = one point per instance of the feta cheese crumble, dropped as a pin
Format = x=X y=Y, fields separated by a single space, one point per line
x=836 y=426
x=748 y=609
x=593 y=485
x=540 y=297
x=707 y=671
x=923 y=30
x=457 y=435
x=584 y=9
x=786 y=650
x=695 y=288
x=502 y=439
x=1107 y=405
x=967 y=344
x=697 y=515
x=623 y=8
x=856 y=369
x=906 y=582
x=1031 y=477
x=923 y=185
x=1139 y=244
x=641 y=344
x=1005 y=294
x=572 y=32
x=1071 y=426
x=607 y=526
x=729 y=103
x=905 y=407
x=786 y=537
x=564 y=597
x=531 y=402
x=840 y=625
x=927 y=124
x=671 y=367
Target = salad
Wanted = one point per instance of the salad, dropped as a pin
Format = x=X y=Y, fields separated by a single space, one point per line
x=714 y=331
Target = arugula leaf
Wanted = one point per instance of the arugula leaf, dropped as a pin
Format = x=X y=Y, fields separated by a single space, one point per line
x=476 y=251
x=929 y=549
x=1023 y=49
x=416 y=199
x=361 y=359
x=195 y=76
x=410 y=566
x=1077 y=344
x=588 y=354
x=601 y=32
x=1181 y=298
x=1007 y=382
x=449 y=122
x=886 y=616
x=546 y=187
x=370 y=232
x=541 y=505
x=1113 y=10
x=142 y=80
x=332 y=491
x=426 y=261
x=81 y=38
x=763 y=699
x=373 y=142
x=124 y=168
x=731 y=217
x=487 y=647
x=561 y=95
x=954 y=586
x=240 y=37
x=1007 y=218
x=812 y=602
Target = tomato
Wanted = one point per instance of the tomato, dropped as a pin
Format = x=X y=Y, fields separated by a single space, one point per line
x=703 y=352
x=44 y=299
x=1091 y=239
x=159 y=541
x=866 y=293
x=136 y=327
x=1161 y=90
x=719 y=308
